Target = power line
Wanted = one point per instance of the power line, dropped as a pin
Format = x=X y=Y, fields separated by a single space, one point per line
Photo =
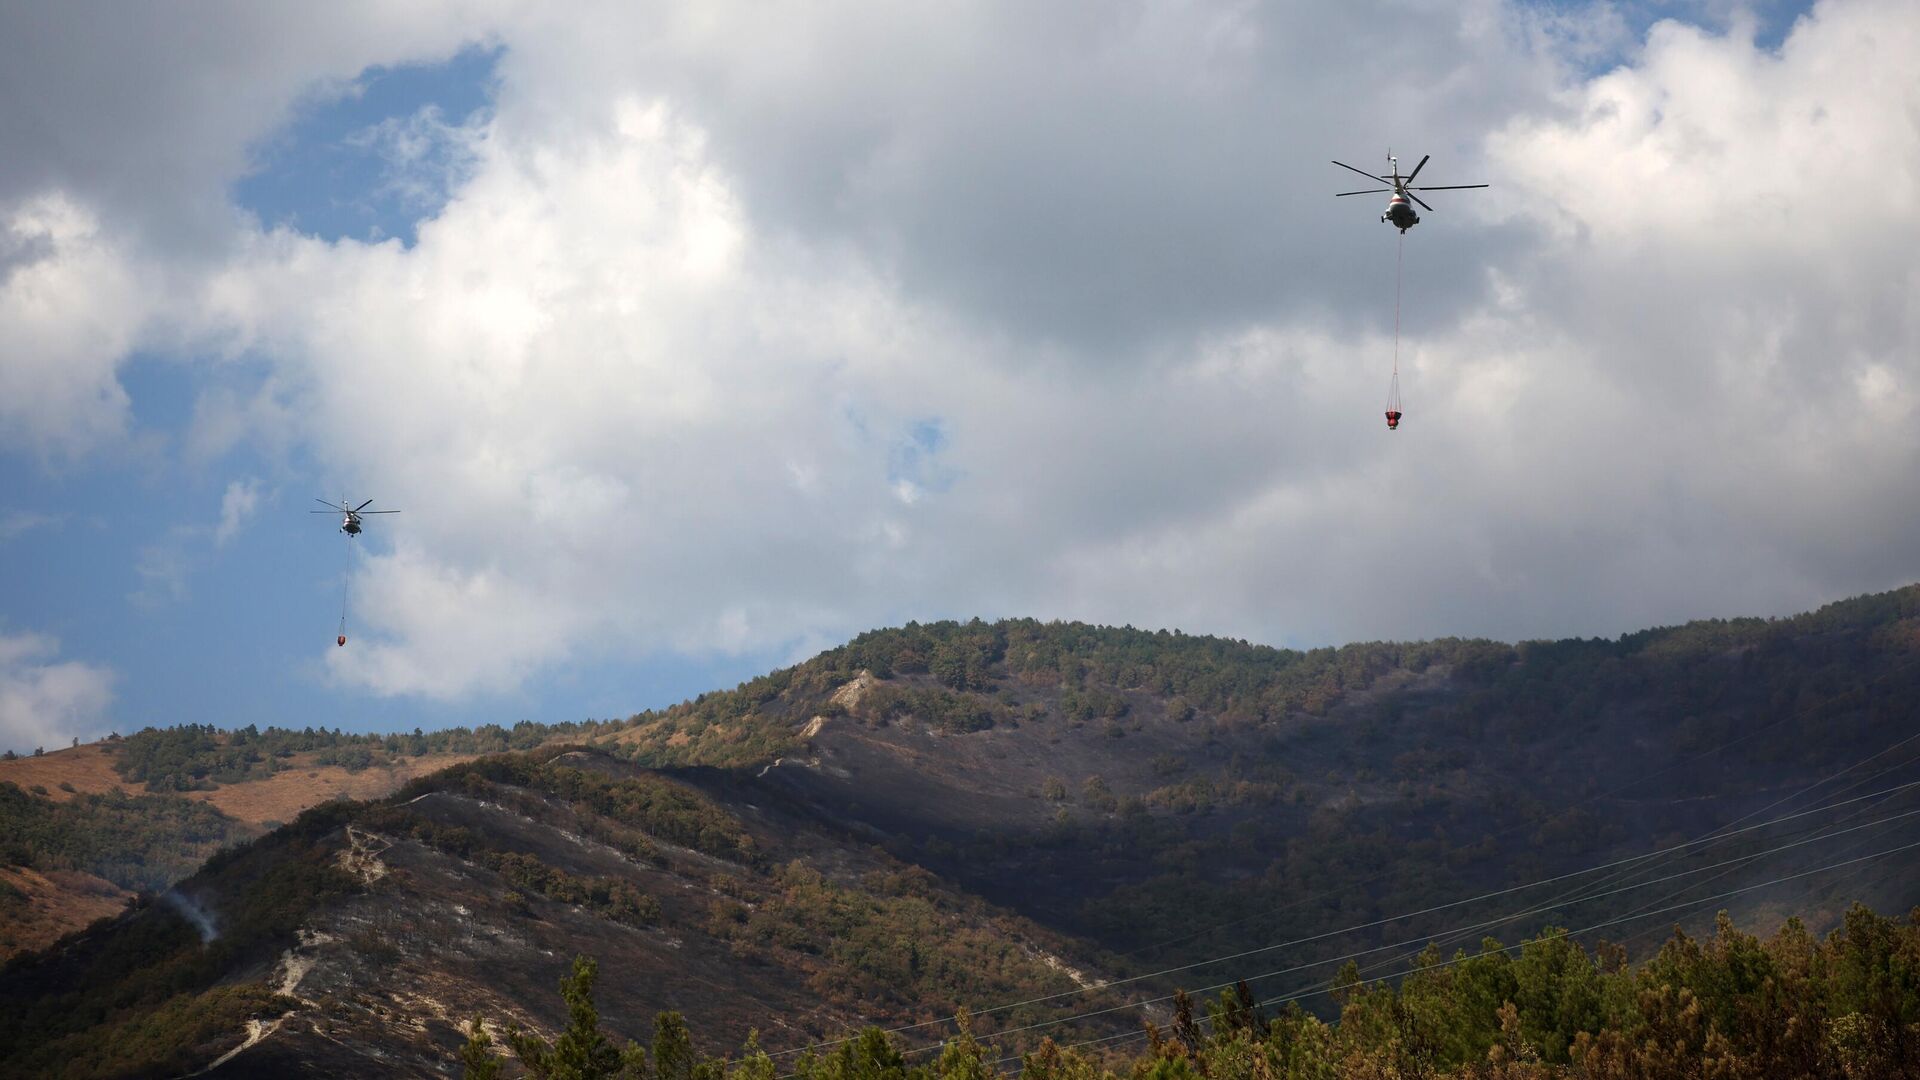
x=1510 y=830
x=1717 y=837
x=1484 y=924
x=1302 y=995
x=1360 y=926
x=1827 y=832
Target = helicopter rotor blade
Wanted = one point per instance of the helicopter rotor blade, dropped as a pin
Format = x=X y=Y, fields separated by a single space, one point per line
x=324 y=502
x=363 y=506
x=1449 y=187
x=1417 y=168
x=1370 y=191
x=364 y=513
x=1419 y=200
x=1362 y=172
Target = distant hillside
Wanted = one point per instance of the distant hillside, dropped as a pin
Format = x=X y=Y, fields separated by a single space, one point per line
x=468 y=891
x=1109 y=780
x=88 y=827
x=951 y=814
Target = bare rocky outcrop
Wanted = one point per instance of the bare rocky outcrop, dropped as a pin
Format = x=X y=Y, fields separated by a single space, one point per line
x=361 y=856
x=848 y=696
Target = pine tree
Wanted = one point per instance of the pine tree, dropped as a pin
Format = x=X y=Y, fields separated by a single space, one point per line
x=583 y=1051
x=476 y=1057
x=672 y=1047
x=754 y=1064
x=963 y=1058
x=1185 y=1031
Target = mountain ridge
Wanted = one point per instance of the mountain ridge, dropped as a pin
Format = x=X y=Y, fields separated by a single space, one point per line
x=1109 y=800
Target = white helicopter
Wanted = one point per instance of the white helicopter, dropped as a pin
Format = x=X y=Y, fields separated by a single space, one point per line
x=1399 y=211
x=350 y=524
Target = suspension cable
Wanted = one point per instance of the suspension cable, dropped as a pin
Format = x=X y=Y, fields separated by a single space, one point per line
x=346 y=583
x=1399 y=266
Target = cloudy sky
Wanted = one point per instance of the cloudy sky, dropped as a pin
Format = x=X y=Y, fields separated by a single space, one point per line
x=693 y=338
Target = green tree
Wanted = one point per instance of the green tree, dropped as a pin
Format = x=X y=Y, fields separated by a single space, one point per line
x=477 y=1059
x=1049 y=1062
x=871 y=1055
x=583 y=1051
x=963 y=1058
x=673 y=1057
x=754 y=1064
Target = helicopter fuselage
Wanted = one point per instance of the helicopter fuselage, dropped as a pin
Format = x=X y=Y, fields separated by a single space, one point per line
x=1400 y=191
x=1400 y=213
x=350 y=520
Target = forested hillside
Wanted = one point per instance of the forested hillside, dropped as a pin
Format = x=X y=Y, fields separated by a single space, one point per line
x=463 y=891
x=1733 y=1005
x=1081 y=820
x=86 y=828
x=1116 y=779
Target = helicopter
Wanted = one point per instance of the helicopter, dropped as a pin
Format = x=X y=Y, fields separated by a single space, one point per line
x=1399 y=211
x=351 y=523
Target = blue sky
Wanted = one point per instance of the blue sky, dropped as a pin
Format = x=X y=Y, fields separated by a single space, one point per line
x=691 y=341
x=331 y=171
x=226 y=633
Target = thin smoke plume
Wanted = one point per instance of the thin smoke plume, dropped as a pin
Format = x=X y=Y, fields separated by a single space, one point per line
x=201 y=919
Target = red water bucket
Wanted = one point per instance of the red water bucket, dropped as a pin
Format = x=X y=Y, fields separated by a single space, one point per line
x=1393 y=423
x=341 y=640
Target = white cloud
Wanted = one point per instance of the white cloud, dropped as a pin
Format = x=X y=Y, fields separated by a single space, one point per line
x=71 y=307
x=166 y=566
x=591 y=400
x=15 y=523
x=661 y=373
x=241 y=499
x=124 y=128
x=425 y=156
x=46 y=702
x=145 y=114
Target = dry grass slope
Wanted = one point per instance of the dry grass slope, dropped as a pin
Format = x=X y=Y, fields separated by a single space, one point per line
x=43 y=907
x=283 y=795
x=88 y=767
x=50 y=905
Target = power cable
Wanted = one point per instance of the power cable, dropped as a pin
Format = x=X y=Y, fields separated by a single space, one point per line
x=1485 y=924
x=1826 y=832
x=1355 y=927
x=1713 y=838
x=1509 y=831
x=1301 y=995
